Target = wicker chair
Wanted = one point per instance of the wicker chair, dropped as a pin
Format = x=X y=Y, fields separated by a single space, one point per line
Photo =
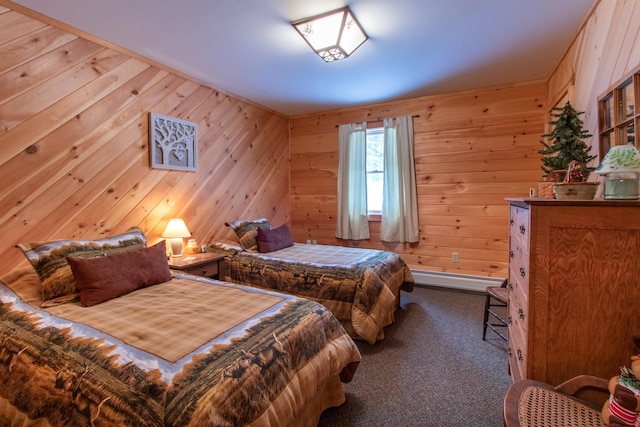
x=534 y=403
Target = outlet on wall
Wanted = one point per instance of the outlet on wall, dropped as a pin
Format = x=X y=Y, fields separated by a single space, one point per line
x=455 y=257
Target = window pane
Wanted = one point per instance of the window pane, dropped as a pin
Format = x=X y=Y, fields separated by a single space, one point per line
x=630 y=133
x=605 y=143
x=375 y=150
x=375 y=168
x=627 y=102
x=374 y=192
x=606 y=113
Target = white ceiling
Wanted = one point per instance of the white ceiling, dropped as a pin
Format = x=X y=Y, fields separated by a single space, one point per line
x=415 y=47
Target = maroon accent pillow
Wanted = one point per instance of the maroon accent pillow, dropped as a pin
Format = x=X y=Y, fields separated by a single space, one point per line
x=270 y=240
x=103 y=278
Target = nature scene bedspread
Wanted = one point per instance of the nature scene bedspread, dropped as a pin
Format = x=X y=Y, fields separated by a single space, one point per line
x=358 y=285
x=70 y=373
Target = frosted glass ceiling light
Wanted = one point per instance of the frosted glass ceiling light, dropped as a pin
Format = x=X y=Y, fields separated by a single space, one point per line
x=333 y=35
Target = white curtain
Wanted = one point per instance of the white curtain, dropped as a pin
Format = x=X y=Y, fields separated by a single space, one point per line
x=353 y=223
x=399 y=199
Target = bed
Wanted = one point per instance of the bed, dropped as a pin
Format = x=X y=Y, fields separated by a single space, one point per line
x=184 y=351
x=360 y=286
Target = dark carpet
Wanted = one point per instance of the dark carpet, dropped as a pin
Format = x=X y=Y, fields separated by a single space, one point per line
x=432 y=368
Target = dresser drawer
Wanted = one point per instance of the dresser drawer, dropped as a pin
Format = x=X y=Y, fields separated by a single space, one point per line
x=519 y=226
x=518 y=317
x=519 y=261
x=518 y=311
x=519 y=288
x=201 y=264
x=519 y=280
x=517 y=353
x=207 y=270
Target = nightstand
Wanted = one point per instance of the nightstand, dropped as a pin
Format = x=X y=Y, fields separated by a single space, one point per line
x=205 y=264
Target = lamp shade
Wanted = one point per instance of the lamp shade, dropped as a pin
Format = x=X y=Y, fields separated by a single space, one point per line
x=176 y=228
x=620 y=166
x=620 y=159
x=333 y=35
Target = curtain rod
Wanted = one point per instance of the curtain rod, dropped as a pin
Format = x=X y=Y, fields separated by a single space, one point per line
x=379 y=119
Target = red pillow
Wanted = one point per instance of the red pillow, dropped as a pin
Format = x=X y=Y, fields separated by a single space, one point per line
x=270 y=240
x=103 y=278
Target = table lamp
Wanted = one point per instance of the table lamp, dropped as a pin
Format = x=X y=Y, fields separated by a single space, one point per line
x=620 y=168
x=176 y=231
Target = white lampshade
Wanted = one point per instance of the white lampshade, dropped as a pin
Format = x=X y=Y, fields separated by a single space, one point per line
x=176 y=230
x=333 y=35
x=620 y=166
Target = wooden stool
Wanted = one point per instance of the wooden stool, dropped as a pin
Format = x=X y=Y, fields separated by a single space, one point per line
x=496 y=296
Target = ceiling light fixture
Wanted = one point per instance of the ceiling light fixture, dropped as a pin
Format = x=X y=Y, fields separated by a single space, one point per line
x=332 y=35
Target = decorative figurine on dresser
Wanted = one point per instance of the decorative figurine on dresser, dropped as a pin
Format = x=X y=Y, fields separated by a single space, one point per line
x=574 y=287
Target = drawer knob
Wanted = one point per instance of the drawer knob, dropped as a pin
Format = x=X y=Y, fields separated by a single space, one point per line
x=511 y=222
x=510 y=286
x=521 y=313
x=510 y=254
x=523 y=230
x=204 y=272
x=523 y=272
x=509 y=320
x=509 y=352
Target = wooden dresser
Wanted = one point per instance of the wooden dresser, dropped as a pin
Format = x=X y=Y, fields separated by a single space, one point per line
x=574 y=287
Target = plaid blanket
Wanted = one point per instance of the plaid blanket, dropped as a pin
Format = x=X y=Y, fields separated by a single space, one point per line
x=191 y=351
x=360 y=286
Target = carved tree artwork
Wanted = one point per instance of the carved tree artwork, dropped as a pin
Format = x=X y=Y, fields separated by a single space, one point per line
x=173 y=143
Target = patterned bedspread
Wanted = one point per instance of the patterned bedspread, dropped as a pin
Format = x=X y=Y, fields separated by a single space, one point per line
x=188 y=352
x=360 y=286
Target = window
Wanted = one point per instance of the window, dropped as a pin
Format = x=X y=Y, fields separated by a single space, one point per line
x=375 y=170
x=376 y=173
x=617 y=115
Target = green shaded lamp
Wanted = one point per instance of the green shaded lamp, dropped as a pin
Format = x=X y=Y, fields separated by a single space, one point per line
x=620 y=168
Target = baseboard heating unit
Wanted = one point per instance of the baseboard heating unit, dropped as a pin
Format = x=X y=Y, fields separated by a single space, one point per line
x=455 y=281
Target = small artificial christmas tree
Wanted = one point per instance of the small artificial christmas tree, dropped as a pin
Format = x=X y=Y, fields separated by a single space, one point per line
x=566 y=143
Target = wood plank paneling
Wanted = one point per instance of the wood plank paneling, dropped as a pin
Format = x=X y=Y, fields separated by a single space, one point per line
x=74 y=156
x=472 y=149
x=606 y=49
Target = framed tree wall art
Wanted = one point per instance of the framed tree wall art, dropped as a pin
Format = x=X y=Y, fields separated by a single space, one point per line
x=173 y=143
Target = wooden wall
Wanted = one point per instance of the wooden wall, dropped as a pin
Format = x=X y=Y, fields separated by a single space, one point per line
x=74 y=144
x=472 y=149
x=74 y=154
x=604 y=51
